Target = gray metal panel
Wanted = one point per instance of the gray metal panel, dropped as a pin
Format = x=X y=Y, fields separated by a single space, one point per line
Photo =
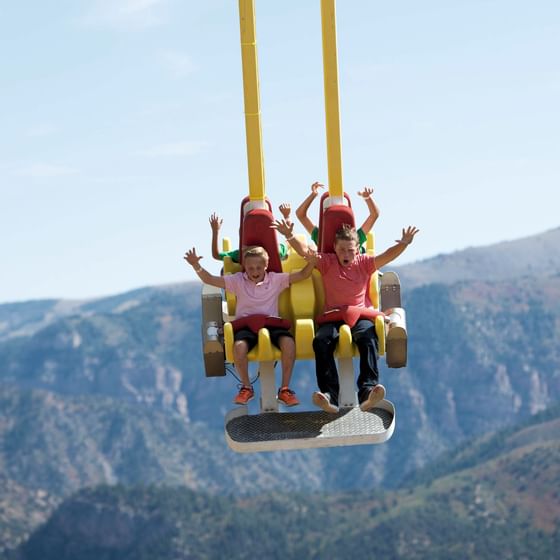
x=212 y=331
x=390 y=291
x=396 y=345
x=302 y=430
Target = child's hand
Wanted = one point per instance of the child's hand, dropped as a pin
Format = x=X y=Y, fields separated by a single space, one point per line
x=311 y=257
x=192 y=258
x=285 y=210
x=316 y=186
x=285 y=227
x=408 y=235
x=215 y=222
x=366 y=193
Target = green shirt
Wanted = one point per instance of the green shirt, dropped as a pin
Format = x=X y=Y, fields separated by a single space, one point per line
x=282 y=252
x=362 y=238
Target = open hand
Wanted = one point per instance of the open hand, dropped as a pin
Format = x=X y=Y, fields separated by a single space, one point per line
x=285 y=227
x=311 y=256
x=366 y=193
x=316 y=186
x=192 y=258
x=285 y=210
x=408 y=235
x=215 y=222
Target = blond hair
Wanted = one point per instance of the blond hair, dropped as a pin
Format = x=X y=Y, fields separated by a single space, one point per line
x=256 y=251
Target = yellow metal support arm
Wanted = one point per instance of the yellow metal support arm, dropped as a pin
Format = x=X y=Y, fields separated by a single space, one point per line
x=332 y=114
x=251 y=99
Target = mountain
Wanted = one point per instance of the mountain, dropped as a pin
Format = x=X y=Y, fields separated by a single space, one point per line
x=113 y=391
x=531 y=257
x=540 y=434
x=134 y=346
x=53 y=445
x=496 y=497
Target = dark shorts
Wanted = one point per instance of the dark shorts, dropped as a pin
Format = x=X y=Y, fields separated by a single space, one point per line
x=251 y=338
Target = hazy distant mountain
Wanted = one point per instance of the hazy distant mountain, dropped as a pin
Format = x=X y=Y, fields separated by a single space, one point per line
x=134 y=346
x=531 y=257
x=497 y=497
x=113 y=390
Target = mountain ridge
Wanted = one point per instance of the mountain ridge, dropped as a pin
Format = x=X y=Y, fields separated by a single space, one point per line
x=487 y=510
x=483 y=355
x=543 y=245
x=533 y=255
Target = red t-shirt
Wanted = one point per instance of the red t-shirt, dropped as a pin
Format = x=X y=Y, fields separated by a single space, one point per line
x=346 y=285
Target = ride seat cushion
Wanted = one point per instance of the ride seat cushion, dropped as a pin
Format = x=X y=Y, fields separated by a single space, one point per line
x=256 y=322
x=349 y=314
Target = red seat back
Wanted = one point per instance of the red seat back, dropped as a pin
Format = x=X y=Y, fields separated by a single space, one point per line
x=331 y=219
x=254 y=229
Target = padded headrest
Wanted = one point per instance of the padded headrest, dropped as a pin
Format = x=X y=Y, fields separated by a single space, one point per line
x=334 y=217
x=331 y=218
x=256 y=230
x=246 y=206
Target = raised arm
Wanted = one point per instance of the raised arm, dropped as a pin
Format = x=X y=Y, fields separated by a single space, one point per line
x=400 y=245
x=302 y=209
x=305 y=272
x=215 y=224
x=194 y=260
x=366 y=194
x=285 y=209
x=287 y=230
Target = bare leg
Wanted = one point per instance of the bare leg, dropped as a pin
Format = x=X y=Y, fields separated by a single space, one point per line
x=288 y=349
x=240 y=351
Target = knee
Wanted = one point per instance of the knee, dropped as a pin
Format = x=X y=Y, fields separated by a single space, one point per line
x=317 y=344
x=366 y=335
x=323 y=344
x=287 y=345
x=240 y=349
x=364 y=339
x=367 y=342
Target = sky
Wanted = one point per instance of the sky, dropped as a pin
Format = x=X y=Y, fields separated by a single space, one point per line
x=122 y=129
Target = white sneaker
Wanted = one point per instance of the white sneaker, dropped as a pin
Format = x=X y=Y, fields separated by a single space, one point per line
x=323 y=401
x=376 y=395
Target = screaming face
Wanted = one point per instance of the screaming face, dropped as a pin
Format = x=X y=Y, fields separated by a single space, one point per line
x=345 y=251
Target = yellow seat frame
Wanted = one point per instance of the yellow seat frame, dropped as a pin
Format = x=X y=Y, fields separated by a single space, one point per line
x=300 y=304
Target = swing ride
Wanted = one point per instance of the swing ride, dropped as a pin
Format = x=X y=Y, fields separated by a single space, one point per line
x=302 y=302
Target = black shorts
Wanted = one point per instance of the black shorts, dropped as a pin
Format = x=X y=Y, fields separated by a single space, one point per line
x=251 y=338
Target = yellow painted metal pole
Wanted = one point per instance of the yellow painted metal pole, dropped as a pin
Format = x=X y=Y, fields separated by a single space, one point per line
x=332 y=114
x=251 y=99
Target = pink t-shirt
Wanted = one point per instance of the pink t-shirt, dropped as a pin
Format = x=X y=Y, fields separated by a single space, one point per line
x=346 y=285
x=257 y=299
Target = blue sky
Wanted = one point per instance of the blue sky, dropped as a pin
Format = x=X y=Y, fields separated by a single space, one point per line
x=122 y=128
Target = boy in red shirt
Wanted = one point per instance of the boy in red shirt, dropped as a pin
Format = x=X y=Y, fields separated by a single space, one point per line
x=345 y=275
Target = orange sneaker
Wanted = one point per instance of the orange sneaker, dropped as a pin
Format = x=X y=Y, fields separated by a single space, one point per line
x=287 y=397
x=245 y=395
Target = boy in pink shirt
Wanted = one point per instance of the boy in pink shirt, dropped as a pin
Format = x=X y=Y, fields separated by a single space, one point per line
x=346 y=275
x=257 y=292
